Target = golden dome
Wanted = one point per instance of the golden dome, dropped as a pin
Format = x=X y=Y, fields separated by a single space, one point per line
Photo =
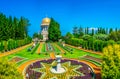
x=45 y=21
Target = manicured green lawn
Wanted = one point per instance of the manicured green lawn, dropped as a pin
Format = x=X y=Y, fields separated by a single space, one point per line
x=24 y=53
x=55 y=48
x=28 y=56
x=78 y=53
x=43 y=48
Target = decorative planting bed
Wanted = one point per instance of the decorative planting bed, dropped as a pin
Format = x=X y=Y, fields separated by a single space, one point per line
x=16 y=59
x=68 y=49
x=92 y=59
x=49 y=47
x=74 y=70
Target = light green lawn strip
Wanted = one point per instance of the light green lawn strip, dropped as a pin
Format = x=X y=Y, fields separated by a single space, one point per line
x=62 y=48
x=37 y=48
x=76 y=54
x=55 y=48
x=85 y=53
x=16 y=54
x=92 y=61
x=43 y=48
x=25 y=54
x=19 y=63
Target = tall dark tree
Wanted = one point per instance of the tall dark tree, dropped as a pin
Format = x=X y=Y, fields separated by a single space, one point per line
x=54 y=33
x=106 y=31
x=87 y=29
x=116 y=29
x=75 y=32
x=93 y=31
x=15 y=25
x=110 y=30
x=80 y=32
x=13 y=28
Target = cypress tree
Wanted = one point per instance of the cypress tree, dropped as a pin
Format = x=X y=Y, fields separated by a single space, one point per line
x=110 y=30
x=87 y=30
x=92 y=31
x=2 y=46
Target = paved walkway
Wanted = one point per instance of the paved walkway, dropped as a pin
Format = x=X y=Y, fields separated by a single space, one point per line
x=24 y=65
x=14 y=50
x=99 y=53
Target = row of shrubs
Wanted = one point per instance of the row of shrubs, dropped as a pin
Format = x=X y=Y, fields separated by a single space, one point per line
x=13 y=44
x=91 y=44
x=35 y=48
x=66 y=48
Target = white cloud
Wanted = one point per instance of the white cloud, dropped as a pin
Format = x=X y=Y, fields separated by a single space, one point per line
x=93 y=28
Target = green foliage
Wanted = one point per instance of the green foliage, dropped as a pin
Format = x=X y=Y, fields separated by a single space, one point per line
x=93 y=32
x=35 y=48
x=1 y=46
x=115 y=35
x=54 y=33
x=69 y=35
x=103 y=37
x=111 y=62
x=13 y=28
x=9 y=70
x=74 y=41
x=12 y=44
x=36 y=35
x=75 y=32
x=86 y=37
x=89 y=43
x=92 y=39
x=111 y=30
x=111 y=42
x=101 y=30
x=80 y=32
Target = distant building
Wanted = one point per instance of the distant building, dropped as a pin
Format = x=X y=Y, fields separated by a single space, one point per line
x=44 y=28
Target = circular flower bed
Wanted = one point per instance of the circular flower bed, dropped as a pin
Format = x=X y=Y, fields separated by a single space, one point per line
x=75 y=70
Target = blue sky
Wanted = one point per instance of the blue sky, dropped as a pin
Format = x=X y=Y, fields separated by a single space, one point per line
x=69 y=13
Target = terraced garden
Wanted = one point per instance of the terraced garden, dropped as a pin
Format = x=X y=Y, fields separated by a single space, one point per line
x=42 y=51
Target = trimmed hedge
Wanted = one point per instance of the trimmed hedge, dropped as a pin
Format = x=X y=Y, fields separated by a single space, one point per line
x=12 y=44
x=90 y=44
